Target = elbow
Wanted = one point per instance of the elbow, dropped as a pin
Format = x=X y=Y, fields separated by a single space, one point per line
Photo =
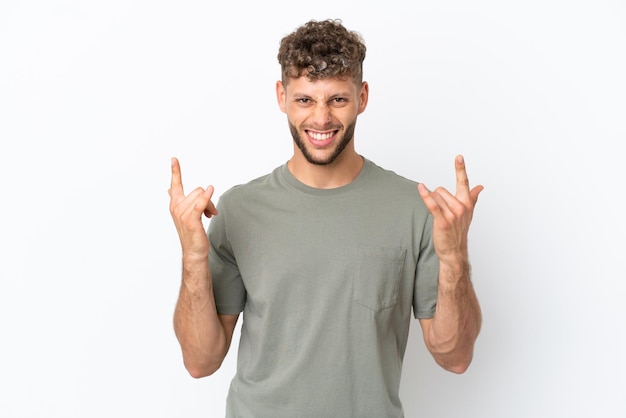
x=202 y=361
x=456 y=363
x=453 y=356
x=457 y=367
x=200 y=372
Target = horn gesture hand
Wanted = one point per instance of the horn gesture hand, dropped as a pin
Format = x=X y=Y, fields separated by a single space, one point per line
x=452 y=215
x=187 y=210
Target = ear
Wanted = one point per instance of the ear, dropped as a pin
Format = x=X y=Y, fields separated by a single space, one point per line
x=363 y=96
x=281 y=96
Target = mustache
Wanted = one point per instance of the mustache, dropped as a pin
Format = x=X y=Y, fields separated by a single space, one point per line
x=325 y=128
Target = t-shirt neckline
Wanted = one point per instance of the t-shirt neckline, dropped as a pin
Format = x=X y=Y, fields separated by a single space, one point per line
x=292 y=181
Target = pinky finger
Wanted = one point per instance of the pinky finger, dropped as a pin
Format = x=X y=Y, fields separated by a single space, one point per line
x=428 y=199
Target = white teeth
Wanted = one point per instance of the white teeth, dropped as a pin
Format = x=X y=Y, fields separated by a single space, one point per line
x=320 y=137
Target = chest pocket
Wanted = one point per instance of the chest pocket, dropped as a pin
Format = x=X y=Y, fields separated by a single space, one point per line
x=377 y=279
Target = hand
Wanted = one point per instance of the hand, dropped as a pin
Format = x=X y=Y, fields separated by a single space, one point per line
x=187 y=214
x=452 y=215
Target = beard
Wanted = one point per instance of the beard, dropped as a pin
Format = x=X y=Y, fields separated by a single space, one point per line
x=343 y=143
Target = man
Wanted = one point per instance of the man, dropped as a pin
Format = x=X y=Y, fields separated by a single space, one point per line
x=326 y=256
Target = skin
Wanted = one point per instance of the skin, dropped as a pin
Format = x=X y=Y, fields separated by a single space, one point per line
x=451 y=333
x=203 y=335
x=327 y=109
x=323 y=107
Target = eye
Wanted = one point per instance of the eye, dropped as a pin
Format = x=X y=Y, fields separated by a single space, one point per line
x=338 y=101
x=303 y=100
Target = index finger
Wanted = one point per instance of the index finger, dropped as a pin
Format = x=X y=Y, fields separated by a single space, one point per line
x=462 y=182
x=176 y=186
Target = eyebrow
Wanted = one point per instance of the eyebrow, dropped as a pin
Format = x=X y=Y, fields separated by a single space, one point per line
x=341 y=94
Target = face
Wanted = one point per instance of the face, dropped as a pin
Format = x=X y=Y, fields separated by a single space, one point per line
x=322 y=115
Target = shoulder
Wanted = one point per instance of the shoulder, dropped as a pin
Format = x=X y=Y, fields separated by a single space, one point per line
x=389 y=178
x=258 y=186
x=388 y=186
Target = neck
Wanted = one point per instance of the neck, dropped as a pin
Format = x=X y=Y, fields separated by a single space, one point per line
x=336 y=174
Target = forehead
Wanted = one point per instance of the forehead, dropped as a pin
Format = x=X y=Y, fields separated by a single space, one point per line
x=302 y=86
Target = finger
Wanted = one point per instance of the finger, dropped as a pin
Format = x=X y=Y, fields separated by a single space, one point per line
x=176 y=186
x=475 y=192
x=446 y=201
x=210 y=208
x=429 y=200
x=198 y=201
x=194 y=202
x=462 y=182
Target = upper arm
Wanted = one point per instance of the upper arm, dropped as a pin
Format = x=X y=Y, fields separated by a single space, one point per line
x=425 y=324
x=228 y=323
x=456 y=361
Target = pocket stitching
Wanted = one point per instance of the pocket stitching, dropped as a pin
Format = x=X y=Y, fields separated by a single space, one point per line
x=389 y=274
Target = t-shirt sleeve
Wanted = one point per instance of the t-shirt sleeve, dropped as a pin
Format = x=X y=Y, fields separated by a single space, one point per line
x=228 y=287
x=427 y=275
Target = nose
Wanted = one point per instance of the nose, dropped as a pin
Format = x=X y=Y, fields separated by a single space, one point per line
x=322 y=114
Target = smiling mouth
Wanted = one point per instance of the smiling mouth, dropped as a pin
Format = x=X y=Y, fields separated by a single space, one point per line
x=319 y=136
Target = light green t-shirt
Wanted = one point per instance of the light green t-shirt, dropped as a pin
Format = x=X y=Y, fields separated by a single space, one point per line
x=327 y=280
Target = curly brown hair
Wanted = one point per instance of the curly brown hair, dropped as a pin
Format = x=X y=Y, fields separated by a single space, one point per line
x=321 y=50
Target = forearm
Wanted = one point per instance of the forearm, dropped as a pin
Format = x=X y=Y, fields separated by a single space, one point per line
x=200 y=332
x=455 y=326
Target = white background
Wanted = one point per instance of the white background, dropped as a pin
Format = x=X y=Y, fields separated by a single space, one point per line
x=96 y=96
